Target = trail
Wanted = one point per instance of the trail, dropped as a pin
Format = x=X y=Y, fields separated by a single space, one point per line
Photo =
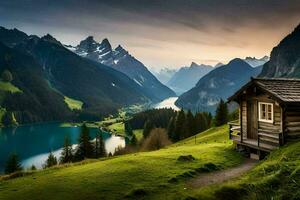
x=221 y=176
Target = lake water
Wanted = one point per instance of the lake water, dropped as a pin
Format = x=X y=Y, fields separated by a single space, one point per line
x=167 y=103
x=32 y=143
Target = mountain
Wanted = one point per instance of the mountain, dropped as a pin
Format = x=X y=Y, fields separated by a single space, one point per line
x=254 y=62
x=219 y=83
x=218 y=65
x=101 y=89
x=164 y=75
x=285 y=58
x=121 y=60
x=36 y=101
x=187 y=77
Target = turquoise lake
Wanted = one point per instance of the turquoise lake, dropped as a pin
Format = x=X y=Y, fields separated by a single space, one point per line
x=33 y=143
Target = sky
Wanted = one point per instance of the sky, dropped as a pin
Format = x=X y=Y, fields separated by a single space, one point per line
x=162 y=33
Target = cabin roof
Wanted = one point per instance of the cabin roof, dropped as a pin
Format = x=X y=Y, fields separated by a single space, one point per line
x=283 y=89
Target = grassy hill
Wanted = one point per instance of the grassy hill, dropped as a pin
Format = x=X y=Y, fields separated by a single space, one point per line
x=277 y=177
x=155 y=174
x=159 y=175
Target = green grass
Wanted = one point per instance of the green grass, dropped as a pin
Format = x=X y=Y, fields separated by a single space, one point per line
x=277 y=177
x=73 y=104
x=144 y=175
x=138 y=134
x=8 y=87
x=117 y=128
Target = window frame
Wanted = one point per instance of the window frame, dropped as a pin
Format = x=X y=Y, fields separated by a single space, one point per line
x=272 y=112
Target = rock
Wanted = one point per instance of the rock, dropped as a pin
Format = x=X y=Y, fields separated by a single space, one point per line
x=187 y=158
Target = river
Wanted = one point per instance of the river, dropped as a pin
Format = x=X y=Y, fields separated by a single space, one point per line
x=167 y=103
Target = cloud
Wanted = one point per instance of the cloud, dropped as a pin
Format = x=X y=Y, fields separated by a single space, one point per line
x=161 y=32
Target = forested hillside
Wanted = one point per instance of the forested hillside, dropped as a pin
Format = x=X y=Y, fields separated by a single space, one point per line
x=98 y=89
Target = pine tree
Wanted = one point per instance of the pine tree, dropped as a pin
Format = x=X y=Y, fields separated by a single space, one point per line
x=33 y=168
x=85 y=148
x=12 y=164
x=221 y=114
x=100 y=150
x=66 y=154
x=199 y=122
x=190 y=124
x=51 y=161
x=171 y=128
x=147 y=128
x=128 y=129
x=180 y=127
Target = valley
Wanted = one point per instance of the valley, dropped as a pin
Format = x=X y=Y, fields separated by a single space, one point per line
x=149 y=100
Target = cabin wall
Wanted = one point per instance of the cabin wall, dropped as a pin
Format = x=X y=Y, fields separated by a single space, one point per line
x=276 y=125
x=268 y=133
x=292 y=122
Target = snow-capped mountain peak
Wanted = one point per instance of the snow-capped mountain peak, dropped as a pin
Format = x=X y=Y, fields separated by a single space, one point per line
x=254 y=62
x=120 y=59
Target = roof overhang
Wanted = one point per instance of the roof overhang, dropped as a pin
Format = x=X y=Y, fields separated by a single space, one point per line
x=254 y=82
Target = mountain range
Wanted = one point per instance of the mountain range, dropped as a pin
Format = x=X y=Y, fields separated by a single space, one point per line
x=284 y=62
x=219 y=83
x=57 y=73
x=187 y=77
x=120 y=60
x=254 y=62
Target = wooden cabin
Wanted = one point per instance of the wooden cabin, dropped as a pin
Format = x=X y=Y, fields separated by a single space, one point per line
x=269 y=114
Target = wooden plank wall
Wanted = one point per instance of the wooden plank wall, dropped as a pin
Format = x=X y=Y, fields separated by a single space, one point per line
x=292 y=122
x=271 y=132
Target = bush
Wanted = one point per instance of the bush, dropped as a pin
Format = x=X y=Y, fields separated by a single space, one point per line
x=158 y=138
x=125 y=150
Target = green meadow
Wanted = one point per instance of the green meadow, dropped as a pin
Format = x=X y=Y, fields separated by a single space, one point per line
x=160 y=175
x=149 y=175
x=73 y=104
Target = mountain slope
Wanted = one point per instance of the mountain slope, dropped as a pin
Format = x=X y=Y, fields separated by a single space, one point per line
x=219 y=83
x=101 y=89
x=122 y=61
x=37 y=101
x=285 y=58
x=187 y=77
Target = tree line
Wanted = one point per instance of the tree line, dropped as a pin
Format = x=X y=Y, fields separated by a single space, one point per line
x=180 y=124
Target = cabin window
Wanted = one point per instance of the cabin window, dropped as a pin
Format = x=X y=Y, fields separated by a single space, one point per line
x=265 y=112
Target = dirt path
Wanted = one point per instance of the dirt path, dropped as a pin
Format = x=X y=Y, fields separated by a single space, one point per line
x=221 y=176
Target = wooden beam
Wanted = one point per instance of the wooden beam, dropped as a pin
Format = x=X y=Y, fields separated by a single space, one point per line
x=241 y=120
